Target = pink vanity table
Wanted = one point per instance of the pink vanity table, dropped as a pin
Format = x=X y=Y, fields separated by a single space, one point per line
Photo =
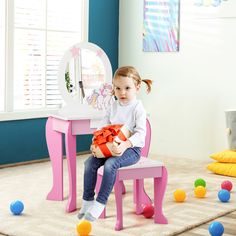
x=88 y=69
x=55 y=127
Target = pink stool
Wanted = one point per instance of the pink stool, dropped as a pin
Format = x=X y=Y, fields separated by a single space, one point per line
x=145 y=168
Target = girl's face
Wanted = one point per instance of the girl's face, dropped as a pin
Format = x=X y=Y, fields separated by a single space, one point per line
x=125 y=89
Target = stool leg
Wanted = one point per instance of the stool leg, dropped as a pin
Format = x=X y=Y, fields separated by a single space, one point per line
x=123 y=188
x=144 y=198
x=119 y=209
x=138 y=184
x=159 y=192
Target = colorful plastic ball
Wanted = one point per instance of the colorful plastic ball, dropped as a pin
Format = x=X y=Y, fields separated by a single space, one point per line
x=200 y=191
x=16 y=207
x=179 y=195
x=199 y=182
x=227 y=185
x=148 y=211
x=224 y=195
x=83 y=228
x=216 y=228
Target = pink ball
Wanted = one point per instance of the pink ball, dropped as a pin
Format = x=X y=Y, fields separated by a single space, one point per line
x=227 y=185
x=148 y=211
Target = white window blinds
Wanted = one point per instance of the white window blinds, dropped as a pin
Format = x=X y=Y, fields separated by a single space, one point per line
x=2 y=54
x=42 y=31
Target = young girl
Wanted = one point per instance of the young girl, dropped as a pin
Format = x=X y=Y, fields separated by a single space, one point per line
x=125 y=110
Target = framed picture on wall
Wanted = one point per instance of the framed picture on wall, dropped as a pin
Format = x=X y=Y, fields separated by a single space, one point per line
x=161 y=25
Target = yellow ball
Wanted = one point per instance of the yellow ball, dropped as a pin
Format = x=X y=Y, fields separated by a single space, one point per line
x=179 y=195
x=200 y=191
x=84 y=228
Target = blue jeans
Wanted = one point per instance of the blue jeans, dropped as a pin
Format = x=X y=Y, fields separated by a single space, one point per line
x=111 y=164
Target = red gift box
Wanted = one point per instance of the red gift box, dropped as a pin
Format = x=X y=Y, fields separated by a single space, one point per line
x=108 y=136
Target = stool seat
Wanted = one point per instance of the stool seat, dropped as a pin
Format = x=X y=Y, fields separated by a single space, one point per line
x=143 y=163
x=130 y=172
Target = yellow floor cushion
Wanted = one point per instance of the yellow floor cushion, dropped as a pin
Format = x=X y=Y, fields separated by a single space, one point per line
x=225 y=156
x=228 y=169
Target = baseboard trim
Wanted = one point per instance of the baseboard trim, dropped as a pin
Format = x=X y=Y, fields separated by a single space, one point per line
x=35 y=161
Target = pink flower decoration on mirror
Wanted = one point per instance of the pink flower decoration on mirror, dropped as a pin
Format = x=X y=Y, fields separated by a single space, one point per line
x=99 y=53
x=75 y=52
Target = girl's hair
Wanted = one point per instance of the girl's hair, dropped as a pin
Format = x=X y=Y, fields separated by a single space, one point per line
x=129 y=71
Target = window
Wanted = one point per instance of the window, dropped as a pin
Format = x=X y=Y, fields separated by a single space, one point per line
x=2 y=53
x=38 y=32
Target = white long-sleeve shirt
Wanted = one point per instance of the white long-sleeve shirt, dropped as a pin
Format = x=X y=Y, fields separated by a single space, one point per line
x=133 y=115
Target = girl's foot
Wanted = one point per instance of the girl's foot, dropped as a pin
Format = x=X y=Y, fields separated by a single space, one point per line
x=86 y=205
x=94 y=212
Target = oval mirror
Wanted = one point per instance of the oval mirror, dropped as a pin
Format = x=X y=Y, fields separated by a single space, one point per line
x=84 y=71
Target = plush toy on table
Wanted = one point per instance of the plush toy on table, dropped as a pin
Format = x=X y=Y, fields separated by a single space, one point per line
x=108 y=136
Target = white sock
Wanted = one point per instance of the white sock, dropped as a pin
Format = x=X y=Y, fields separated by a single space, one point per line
x=96 y=209
x=85 y=206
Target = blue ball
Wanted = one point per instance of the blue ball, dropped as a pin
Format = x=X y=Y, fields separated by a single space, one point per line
x=16 y=207
x=216 y=228
x=224 y=195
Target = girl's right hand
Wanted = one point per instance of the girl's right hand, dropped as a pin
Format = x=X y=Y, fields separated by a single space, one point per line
x=92 y=149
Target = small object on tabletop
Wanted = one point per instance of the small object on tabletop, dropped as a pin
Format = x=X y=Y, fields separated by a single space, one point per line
x=82 y=88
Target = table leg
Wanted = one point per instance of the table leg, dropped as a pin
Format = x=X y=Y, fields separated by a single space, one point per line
x=159 y=192
x=70 y=143
x=54 y=143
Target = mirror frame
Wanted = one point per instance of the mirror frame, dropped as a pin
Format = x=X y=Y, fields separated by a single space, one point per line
x=71 y=53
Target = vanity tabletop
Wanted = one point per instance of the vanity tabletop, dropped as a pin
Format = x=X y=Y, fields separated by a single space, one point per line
x=97 y=116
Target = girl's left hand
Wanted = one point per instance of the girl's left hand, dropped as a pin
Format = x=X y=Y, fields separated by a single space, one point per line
x=121 y=147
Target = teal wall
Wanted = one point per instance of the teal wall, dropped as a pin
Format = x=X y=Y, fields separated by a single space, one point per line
x=103 y=27
x=24 y=140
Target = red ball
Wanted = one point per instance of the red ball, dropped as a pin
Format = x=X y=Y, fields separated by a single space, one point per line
x=227 y=185
x=148 y=211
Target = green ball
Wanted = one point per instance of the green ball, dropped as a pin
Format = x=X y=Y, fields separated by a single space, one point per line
x=200 y=182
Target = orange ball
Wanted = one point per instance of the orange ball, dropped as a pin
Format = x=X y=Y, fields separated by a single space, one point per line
x=83 y=228
x=200 y=191
x=179 y=195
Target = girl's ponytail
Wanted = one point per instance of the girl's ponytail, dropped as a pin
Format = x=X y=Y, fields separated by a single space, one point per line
x=148 y=83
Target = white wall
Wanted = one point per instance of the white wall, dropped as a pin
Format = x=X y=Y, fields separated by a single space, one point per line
x=192 y=87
